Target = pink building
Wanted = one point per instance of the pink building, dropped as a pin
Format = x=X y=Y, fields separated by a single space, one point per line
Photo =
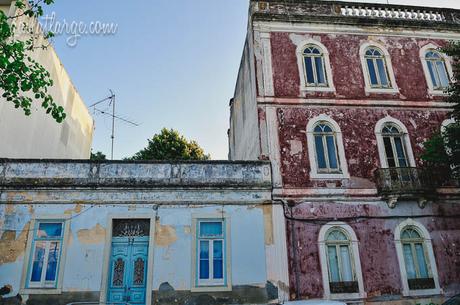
x=340 y=97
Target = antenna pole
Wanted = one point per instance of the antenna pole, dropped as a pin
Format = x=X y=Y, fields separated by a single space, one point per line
x=113 y=121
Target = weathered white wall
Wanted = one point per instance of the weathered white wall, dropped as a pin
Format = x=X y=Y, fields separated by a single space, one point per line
x=38 y=135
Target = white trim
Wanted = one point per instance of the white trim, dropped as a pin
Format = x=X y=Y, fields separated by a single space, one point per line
x=108 y=252
x=368 y=88
x=355 y=258
x=272 y=138
x=28 y=254
x=446 y=123
x=314 y=174
x=447 y=62
x=431 y=259
x=301 y=45
x=227 y=241
x=267 y=64
x=381 y=145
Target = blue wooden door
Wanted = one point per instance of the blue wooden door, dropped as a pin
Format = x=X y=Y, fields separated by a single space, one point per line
x=128 y=270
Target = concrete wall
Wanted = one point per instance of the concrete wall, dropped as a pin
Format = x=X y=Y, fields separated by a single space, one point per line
x=38 y=135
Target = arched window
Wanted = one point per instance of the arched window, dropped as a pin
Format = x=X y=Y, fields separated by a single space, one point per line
x=314 y=67
x=340 y=263
x=377 y=68
x=437 y=70
x=393 y=139
x=326 y=148
x=395 y=150
x=416 y=259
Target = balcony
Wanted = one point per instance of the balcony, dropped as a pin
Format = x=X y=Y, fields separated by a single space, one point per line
x=408 y=183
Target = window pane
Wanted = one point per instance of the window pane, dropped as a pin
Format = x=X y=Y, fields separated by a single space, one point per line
x=48 y=229
x=320 y=70
x=210 y=229
x=400 y=152
x=331 y=150
x=218 y=260
x=53 y=259
x=442 y=74
x=432 y=74
x=309 y=70
x=333 y=264
x=347 y=275
x=408 y=259
x=204 y=259
x=372 y=75
x=422 y=266
x=37 y=264
x=320 y=152
x=382 y=72
x=389 y=152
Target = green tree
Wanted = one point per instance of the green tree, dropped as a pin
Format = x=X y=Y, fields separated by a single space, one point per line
x=170 y=145
x=98 y=156
x=443 y=148
x=23 y=80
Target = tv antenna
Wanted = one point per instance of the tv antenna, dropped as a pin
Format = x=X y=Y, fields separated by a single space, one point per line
x=111 y=102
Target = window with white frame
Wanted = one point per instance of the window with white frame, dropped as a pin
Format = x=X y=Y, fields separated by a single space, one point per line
x=416 y=259
x=45 y=255
x=314 y=67
x=340 y=262
x=211 y=253
x=325 y=149
x=395 y=151
x=377 y=68
x=437 y=69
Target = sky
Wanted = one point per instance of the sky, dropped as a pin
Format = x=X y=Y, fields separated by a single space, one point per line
x=171 y=63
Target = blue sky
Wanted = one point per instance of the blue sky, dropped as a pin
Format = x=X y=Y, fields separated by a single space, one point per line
x=172 y=63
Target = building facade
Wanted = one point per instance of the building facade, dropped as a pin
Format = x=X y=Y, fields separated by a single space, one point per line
x=340 y=97
x=38 y=135
x=137 y=233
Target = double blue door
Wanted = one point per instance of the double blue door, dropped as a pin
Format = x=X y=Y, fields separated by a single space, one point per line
x=128 y=270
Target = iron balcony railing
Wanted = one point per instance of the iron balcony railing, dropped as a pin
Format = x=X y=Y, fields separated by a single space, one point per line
x=407 y=181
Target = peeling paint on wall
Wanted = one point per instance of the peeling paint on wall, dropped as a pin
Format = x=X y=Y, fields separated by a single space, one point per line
x=164 y=235
x=77 y=209
x=95 y=235
x=268 y=224
x=11 y=247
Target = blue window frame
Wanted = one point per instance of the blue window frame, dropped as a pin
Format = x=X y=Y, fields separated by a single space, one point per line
x=46 y=254
x=377 y=68
x=315 y=73
x=211 y=249
x=326 y=148
x=437 y=69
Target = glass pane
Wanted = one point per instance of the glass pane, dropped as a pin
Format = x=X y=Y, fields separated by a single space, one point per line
x=389 y=152
x=336 y=235
x=48 y=229
x=333 y=264
x=53 y=259
x=309 y=70
x=210 y=229
x=442 y=74
x=326 y=128
x=204 y=259
x=400 y=152
x=320 y=70
x=372 y=75
x=320 y=152
x=218 y=263
x=37 y=264
x=382 y=72
x=422 y=266
x=408 y=259
x=432 y=74
x=347 y=274
x=331 y=150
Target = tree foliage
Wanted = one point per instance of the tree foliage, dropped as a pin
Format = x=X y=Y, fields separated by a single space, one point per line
x=443 y=148
x=98 y=156
x=170 y=145
x=23 y=80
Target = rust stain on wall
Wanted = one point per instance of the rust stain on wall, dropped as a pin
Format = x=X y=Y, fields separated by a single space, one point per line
x=11 y=247
x=77 y=209
x=9 y=208
x=95 y=235
x=164 y=235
